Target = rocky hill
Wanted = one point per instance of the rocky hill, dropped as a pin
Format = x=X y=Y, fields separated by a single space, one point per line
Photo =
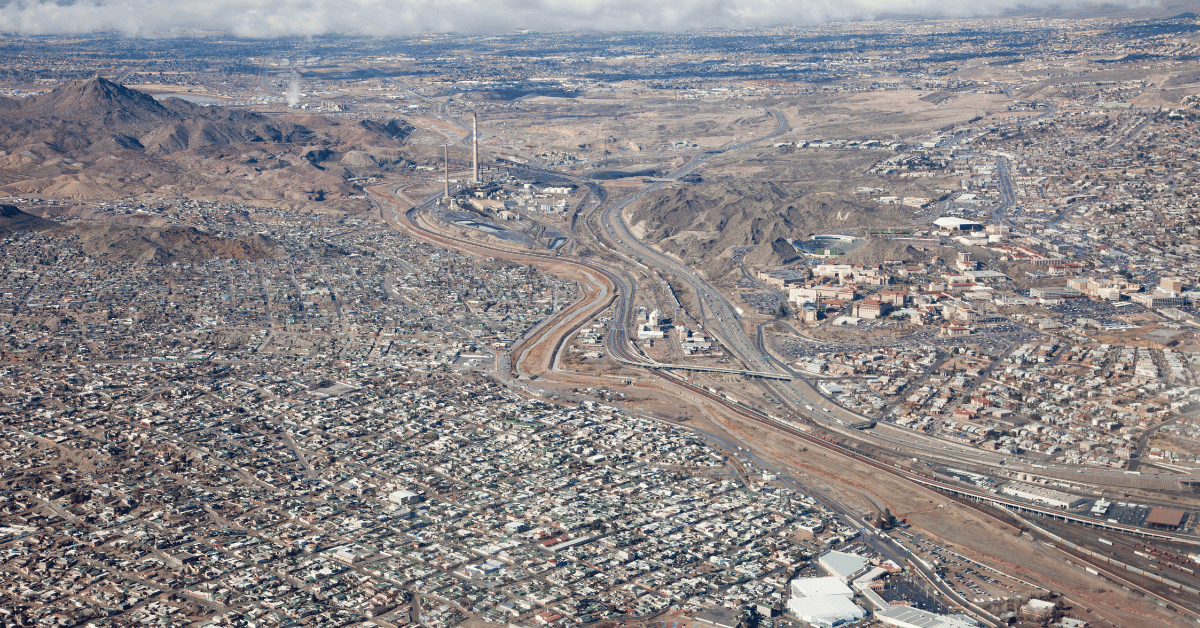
x=702 y=223
x=94 y=139
x=13 y=220
x=879 y=250
x=97 y=115
x=123 y=243
x=130 y=243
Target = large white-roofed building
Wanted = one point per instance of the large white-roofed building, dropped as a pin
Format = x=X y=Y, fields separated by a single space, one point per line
x=818 y=587
x=954 y=223
x=824 y=601
x=908 y=617
x=827 y=610
x=841 y=564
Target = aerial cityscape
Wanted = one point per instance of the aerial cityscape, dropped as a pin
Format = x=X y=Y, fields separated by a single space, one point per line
x=857 y=319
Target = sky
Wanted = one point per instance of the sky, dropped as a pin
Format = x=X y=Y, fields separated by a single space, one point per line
x=274 y=18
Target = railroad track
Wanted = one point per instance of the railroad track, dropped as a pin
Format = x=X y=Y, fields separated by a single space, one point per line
x=925 y=480
x=578 y=314
x=407 y=221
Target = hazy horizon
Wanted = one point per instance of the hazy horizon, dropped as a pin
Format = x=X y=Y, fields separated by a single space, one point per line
x=276 y=18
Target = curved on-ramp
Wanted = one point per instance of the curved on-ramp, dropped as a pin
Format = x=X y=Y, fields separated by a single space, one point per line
x=543 y=343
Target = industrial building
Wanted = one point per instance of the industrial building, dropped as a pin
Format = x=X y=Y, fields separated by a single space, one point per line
x=819 y=587
x=909 y=617
x=829 y=601
x=824 y=601
x=842 y=565
x=1048 y=496
x=1165 y=518
x=951 y=223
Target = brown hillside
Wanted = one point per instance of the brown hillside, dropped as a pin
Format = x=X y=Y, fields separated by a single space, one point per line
x=13 y=220
x=95 y=139
x=701 y=223
x=129 y=243
x=122 y=243
x=96 y=113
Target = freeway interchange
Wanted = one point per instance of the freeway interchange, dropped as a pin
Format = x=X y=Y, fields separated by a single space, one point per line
x=613 y=284
x=604 y=225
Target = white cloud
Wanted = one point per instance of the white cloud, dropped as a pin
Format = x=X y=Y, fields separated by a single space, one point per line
x=272 y=18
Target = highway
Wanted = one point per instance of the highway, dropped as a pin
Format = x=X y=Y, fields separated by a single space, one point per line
x=1007 y=196
x=716 y=313
x=610 y=283
x=798 y=394
x=722 y=322
x=892 y=468
x=618 y=342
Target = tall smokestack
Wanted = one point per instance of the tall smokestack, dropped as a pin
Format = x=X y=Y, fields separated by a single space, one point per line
x=475 y=144
x=446 y=168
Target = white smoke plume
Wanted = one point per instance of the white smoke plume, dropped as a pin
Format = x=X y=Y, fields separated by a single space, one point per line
x=293 y=92
x=274 y=18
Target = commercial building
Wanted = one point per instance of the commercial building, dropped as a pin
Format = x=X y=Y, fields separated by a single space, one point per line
x=824 y=601
x=1160 y=299
x=842 y=565
x=820 y=587
x=405 y=497
x=909 y=617
x=1050 y=497
x=952 y=223
x=1165 y=518
x=829 y=610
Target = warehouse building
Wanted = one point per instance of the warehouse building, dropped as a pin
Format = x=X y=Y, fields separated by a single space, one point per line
x=1041 y=494
x=824 y=601
x=909 y=617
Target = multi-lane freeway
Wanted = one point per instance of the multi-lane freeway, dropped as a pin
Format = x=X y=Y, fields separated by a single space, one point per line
x=1008 y=197
x=716 y=314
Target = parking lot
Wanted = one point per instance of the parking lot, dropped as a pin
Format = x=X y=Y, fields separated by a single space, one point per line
x=763 y=302
x=970 y=578
x=915 y=594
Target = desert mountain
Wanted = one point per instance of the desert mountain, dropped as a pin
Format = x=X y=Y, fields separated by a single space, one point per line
x=879 y=250
x=100 y=114
x=701 y=223
x=94 y=139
